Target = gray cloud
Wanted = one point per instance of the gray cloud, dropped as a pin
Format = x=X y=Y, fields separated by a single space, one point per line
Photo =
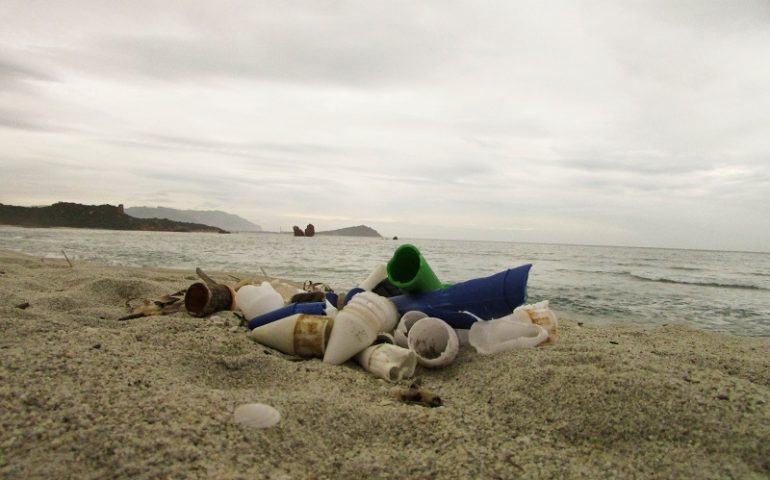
x=12 y=69
x=20 y=76
x=19 y=120
x=346 y=44
x=605 y=122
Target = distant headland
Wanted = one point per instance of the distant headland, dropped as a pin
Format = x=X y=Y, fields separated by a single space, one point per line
x=110 y=217
x=358 y=231
x=215 y=218
x=107 y=217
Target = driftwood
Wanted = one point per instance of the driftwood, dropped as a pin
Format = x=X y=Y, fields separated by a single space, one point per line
x=66 y=258
x=204 y=277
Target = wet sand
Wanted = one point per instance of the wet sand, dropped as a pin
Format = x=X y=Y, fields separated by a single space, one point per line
x=84 y=395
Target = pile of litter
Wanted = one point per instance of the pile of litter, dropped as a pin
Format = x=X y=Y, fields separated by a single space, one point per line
x=398 y=317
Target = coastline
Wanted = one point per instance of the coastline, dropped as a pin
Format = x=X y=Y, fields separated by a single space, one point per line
x=86 y=396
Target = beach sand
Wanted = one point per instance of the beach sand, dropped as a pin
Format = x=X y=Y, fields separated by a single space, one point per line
x=84 y=395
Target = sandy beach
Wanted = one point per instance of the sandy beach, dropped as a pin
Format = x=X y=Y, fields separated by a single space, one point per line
x=85 y=395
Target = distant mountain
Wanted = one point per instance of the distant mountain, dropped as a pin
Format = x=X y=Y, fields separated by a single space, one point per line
x=216 y=218
x=359 y=231
x=109 y=217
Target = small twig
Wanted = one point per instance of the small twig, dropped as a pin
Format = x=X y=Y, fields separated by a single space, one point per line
x=264 y=273
x=133 y=316
x=66 y=258
x=22 y=305
x=234 y=277
x=205 y=277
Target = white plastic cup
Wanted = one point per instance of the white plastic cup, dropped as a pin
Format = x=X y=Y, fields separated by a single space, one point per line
x=434 y=342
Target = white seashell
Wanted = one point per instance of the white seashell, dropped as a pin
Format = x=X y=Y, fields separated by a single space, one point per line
x=256 y=415
x=388 y=361
x=434 y=342
x=255 y=300
x=407 y=320
x=505 y=333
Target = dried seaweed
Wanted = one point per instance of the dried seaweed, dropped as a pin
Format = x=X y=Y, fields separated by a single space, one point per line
x=418 y=395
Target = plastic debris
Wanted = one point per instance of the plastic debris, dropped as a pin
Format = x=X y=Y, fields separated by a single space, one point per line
x=206 y=297
x=315 y=308
x=388 y=361
x=300 y=334
x=256 y=300
x=379 y=274
x=487 y=298
x=493 y=336
x=434 y=342
x=355 y=328
x=402 y=330
x=397 y=318
x=540 y=314
x=409 y=271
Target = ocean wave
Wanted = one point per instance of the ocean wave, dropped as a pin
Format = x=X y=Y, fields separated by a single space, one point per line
x=696 y=283
x=687 y=269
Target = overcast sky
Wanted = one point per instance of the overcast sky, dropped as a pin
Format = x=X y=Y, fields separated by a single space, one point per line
x=603 y=122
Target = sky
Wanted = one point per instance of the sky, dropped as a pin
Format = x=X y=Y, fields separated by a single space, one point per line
x=639 y=123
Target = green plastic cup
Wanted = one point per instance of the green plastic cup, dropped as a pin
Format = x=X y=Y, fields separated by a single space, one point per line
x=409 y=271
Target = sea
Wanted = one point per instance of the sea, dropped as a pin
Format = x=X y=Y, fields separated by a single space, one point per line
x=714 y=290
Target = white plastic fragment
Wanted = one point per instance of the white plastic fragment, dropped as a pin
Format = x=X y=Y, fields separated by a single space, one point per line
x=505 y=333
x=462 y=336
x=255 y=300
x=539 y=314
x=355 y=328
x=381 y=307
x=256 y=415
x=286 y=290
x=299 y=334
x=379 y=274
x=434 y=342
x=388 y=361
